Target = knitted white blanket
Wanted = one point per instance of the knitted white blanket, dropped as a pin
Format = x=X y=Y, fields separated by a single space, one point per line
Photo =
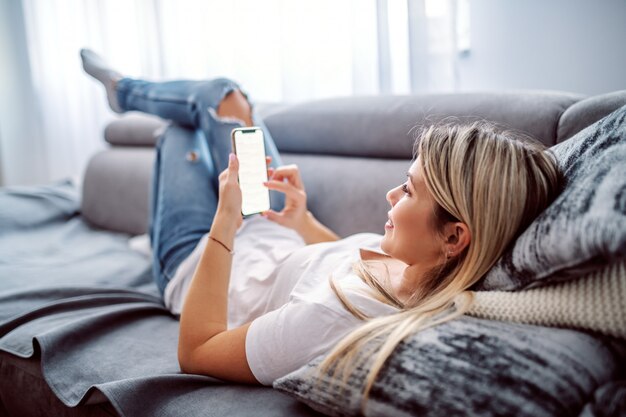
x=596 y=301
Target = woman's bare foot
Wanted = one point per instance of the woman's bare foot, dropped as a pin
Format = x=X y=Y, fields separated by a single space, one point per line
x=97 y=67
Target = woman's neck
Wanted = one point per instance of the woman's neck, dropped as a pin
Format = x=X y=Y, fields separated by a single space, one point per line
x=403 y=279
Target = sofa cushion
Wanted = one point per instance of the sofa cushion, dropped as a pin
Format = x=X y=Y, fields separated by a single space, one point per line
x=116 y=189
x=134 y=129
x=585 y=227
x=361 y=191
x=471 y=366
x=588 y=111
x=593 y=302
x=382 y=126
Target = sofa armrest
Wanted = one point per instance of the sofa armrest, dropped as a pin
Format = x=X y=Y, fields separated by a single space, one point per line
x=116 y=189
x=588 y=111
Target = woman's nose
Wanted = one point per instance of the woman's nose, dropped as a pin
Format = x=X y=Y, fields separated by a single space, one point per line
x=392 y=196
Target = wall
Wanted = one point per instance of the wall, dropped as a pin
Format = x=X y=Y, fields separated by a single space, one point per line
x=570 y=45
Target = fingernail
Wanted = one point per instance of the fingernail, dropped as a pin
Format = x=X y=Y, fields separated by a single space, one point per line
x=231 y=157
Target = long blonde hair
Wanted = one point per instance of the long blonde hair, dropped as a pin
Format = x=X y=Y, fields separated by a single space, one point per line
x=494 y=181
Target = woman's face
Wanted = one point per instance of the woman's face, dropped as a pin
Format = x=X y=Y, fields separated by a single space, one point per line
x=410 y=235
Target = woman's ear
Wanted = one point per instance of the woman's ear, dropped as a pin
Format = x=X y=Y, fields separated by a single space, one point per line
x=457 y=238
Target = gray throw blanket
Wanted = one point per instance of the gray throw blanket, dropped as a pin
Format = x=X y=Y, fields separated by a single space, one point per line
x=87 y=303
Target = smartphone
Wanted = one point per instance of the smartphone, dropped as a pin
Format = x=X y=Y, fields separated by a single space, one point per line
x=249 y=146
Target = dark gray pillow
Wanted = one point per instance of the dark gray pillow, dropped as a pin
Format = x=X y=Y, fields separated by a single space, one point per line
x=471 y=366
x=585 y=227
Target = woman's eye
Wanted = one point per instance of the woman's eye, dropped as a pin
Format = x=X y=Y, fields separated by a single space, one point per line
x=405 y=189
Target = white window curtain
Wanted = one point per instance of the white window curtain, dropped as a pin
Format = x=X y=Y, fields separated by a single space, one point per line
x=278 y=50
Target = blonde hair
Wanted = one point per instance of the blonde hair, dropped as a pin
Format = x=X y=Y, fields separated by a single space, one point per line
x=494 y=181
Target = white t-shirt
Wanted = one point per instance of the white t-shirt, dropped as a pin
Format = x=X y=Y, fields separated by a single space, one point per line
x=282 y=286
x=260 y=245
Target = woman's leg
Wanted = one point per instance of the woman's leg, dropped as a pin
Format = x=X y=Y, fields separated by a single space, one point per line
x=216 y=107
x=183 y=200
x=189 y=103
x=185 y=102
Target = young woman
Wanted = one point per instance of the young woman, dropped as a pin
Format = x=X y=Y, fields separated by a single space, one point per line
x=260 y=297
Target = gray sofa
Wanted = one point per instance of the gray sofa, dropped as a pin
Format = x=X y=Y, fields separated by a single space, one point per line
x=350 y=152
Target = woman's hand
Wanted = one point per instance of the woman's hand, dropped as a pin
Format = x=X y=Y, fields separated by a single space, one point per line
x=229 y=201
x=287 y=180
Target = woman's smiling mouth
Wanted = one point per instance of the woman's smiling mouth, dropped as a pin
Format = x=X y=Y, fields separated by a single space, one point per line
x=389 y=224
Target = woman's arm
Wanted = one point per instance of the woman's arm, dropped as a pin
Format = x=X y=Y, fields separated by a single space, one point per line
x=286 y=179
x=312 y=231
x=205 y=346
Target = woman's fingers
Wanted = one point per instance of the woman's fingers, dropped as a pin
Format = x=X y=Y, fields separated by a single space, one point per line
x=231 y=171
x=284 y=187
x=290 y=173
x=273 y=216
x=230 y=174
x=288 y=170
x=270 y=170
x=233 y=166
x=229 y=201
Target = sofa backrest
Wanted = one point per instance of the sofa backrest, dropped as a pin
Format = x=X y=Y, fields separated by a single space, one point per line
x=350 y=151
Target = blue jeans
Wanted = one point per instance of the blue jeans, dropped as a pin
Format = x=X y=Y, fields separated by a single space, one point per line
x=185 y=181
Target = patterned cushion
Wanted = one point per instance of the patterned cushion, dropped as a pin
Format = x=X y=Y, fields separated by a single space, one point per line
x=471 y=366
x=585 y=227
x=608 y=401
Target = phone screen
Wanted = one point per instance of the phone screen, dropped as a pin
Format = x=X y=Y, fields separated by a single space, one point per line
x=249 y=146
